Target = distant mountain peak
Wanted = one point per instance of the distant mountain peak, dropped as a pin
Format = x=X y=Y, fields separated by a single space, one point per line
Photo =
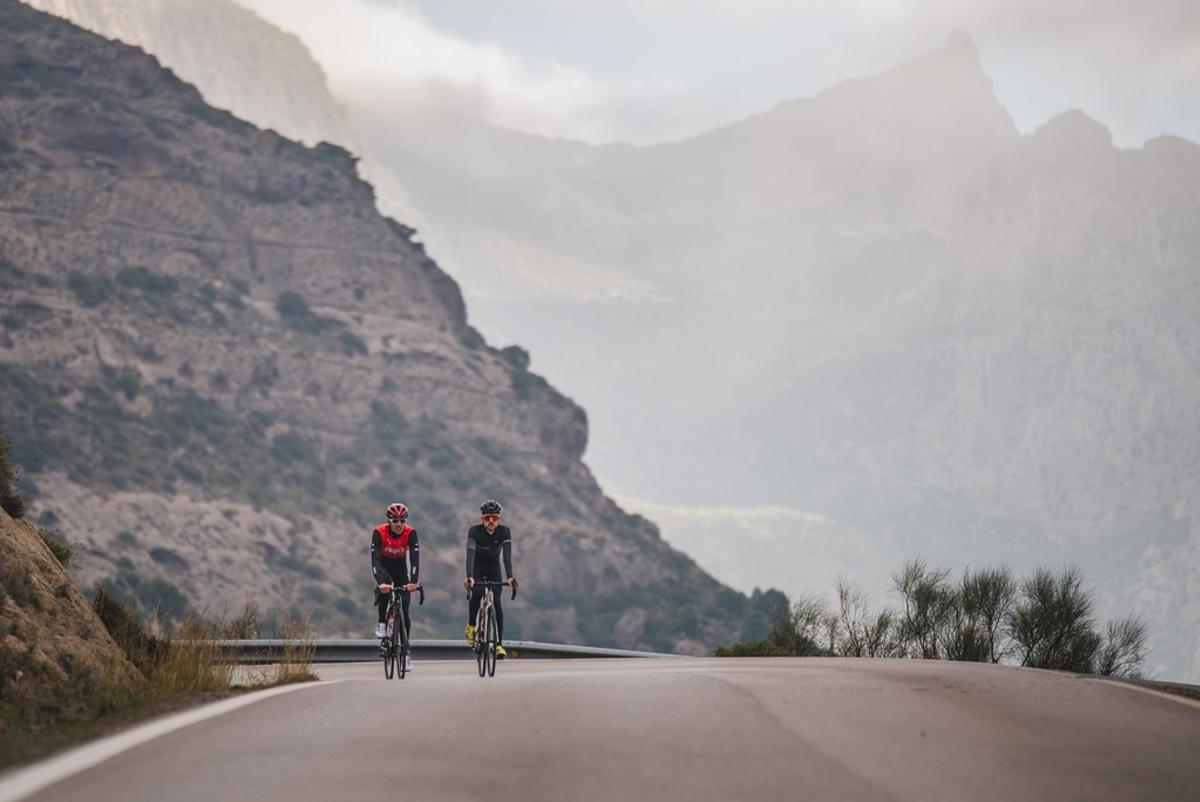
x=961 y=45
x=1073 y=128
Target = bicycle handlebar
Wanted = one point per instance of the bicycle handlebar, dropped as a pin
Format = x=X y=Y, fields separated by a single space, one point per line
x=490 y=583
x=400 y=589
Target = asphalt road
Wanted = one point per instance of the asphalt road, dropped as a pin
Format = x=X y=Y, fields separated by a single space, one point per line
x=634 y=729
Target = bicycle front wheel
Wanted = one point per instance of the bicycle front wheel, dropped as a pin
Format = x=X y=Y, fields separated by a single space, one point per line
x=480 y=645
x=389 y=657
x=492 y=638
x=402 y=652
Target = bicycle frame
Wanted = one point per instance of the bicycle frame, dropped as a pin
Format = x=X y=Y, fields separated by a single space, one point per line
x=487 y=634
x=396 y=644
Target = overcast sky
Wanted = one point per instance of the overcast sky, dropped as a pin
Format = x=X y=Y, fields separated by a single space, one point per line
x=653 y=70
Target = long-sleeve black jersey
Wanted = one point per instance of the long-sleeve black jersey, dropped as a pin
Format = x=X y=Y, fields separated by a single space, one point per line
x=487 y=549
x=391 y=571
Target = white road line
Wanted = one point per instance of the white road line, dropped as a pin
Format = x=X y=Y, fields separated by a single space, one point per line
x=30 y=780
x=1170 y=697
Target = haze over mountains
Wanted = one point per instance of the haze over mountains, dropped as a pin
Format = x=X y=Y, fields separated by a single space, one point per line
x=874 y=322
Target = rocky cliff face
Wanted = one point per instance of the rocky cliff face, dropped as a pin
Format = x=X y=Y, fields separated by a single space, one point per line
x=219 y=363
x=219 y=47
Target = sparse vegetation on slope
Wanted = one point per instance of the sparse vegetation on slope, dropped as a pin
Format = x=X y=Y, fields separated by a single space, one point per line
x=70 y=670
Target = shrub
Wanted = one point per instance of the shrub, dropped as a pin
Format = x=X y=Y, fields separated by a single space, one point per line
x=1051 y=624
x=129 y=382
x=91 y=291
x=146 y=280
x=928 y=602
x=1124 y=649
x=59 y=547
x=288 y=447
x=295 y=313
x=10 y=500
x=762 y=648
x=353 y=344
x=126 y=628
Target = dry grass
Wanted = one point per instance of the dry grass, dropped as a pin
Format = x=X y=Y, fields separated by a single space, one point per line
x=193 y=662
x=296 y=664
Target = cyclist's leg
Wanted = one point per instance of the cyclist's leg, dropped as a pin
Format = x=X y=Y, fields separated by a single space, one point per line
x=499 y=617
x=492 y=574
x=381 y=601
x=405 y=597
x=473 y=604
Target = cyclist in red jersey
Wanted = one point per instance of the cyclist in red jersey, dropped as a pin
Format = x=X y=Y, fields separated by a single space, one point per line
x=395 y=561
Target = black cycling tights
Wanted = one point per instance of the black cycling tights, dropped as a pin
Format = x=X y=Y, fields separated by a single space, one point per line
x=487 y=575
x=381 y=601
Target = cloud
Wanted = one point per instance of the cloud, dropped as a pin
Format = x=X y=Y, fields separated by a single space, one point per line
x=376 y=52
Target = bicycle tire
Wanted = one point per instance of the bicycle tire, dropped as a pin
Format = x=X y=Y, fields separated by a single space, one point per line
x=480 y=646
x=402 y=657
x=491 y=642
x=389 y=645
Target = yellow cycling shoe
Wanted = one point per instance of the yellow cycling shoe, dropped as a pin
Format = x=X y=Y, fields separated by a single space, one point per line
x=471 y=634
x=500 y=651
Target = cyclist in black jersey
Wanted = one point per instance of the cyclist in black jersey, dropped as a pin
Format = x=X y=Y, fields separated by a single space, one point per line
x=487 y=542
x=395 y=560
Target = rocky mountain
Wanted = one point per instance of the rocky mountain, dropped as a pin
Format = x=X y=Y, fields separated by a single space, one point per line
x=219 y=362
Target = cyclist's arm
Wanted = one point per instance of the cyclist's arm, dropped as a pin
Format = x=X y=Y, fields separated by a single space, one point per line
x=470 y=555
x=507 y=547
x=414 y=553
x=382 y=577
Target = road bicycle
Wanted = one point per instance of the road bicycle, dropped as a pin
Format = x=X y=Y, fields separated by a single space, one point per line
x=394 y=647
x=487 y=632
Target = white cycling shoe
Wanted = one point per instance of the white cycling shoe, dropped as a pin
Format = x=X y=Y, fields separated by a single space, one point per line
x=408 y=662
x=381 y=631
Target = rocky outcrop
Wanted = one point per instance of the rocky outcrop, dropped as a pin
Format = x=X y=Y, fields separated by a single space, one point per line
x=220 y=362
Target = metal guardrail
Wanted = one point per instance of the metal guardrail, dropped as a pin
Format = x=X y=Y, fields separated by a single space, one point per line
x=355 y=650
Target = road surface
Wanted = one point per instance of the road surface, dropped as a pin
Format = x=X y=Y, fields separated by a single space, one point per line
x=686 y=729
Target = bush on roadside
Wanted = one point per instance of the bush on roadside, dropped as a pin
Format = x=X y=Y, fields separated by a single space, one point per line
x=761 y=648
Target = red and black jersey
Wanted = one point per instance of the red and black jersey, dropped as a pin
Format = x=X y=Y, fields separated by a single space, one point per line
x=395 y=559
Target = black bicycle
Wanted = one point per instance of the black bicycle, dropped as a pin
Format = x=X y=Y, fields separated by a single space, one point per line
x=394 y=647
x=487 y=631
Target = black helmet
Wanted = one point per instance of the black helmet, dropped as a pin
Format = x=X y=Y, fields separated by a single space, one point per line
x=490 y=507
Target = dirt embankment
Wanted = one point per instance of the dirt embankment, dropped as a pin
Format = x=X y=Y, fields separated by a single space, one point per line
x=57 y=660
